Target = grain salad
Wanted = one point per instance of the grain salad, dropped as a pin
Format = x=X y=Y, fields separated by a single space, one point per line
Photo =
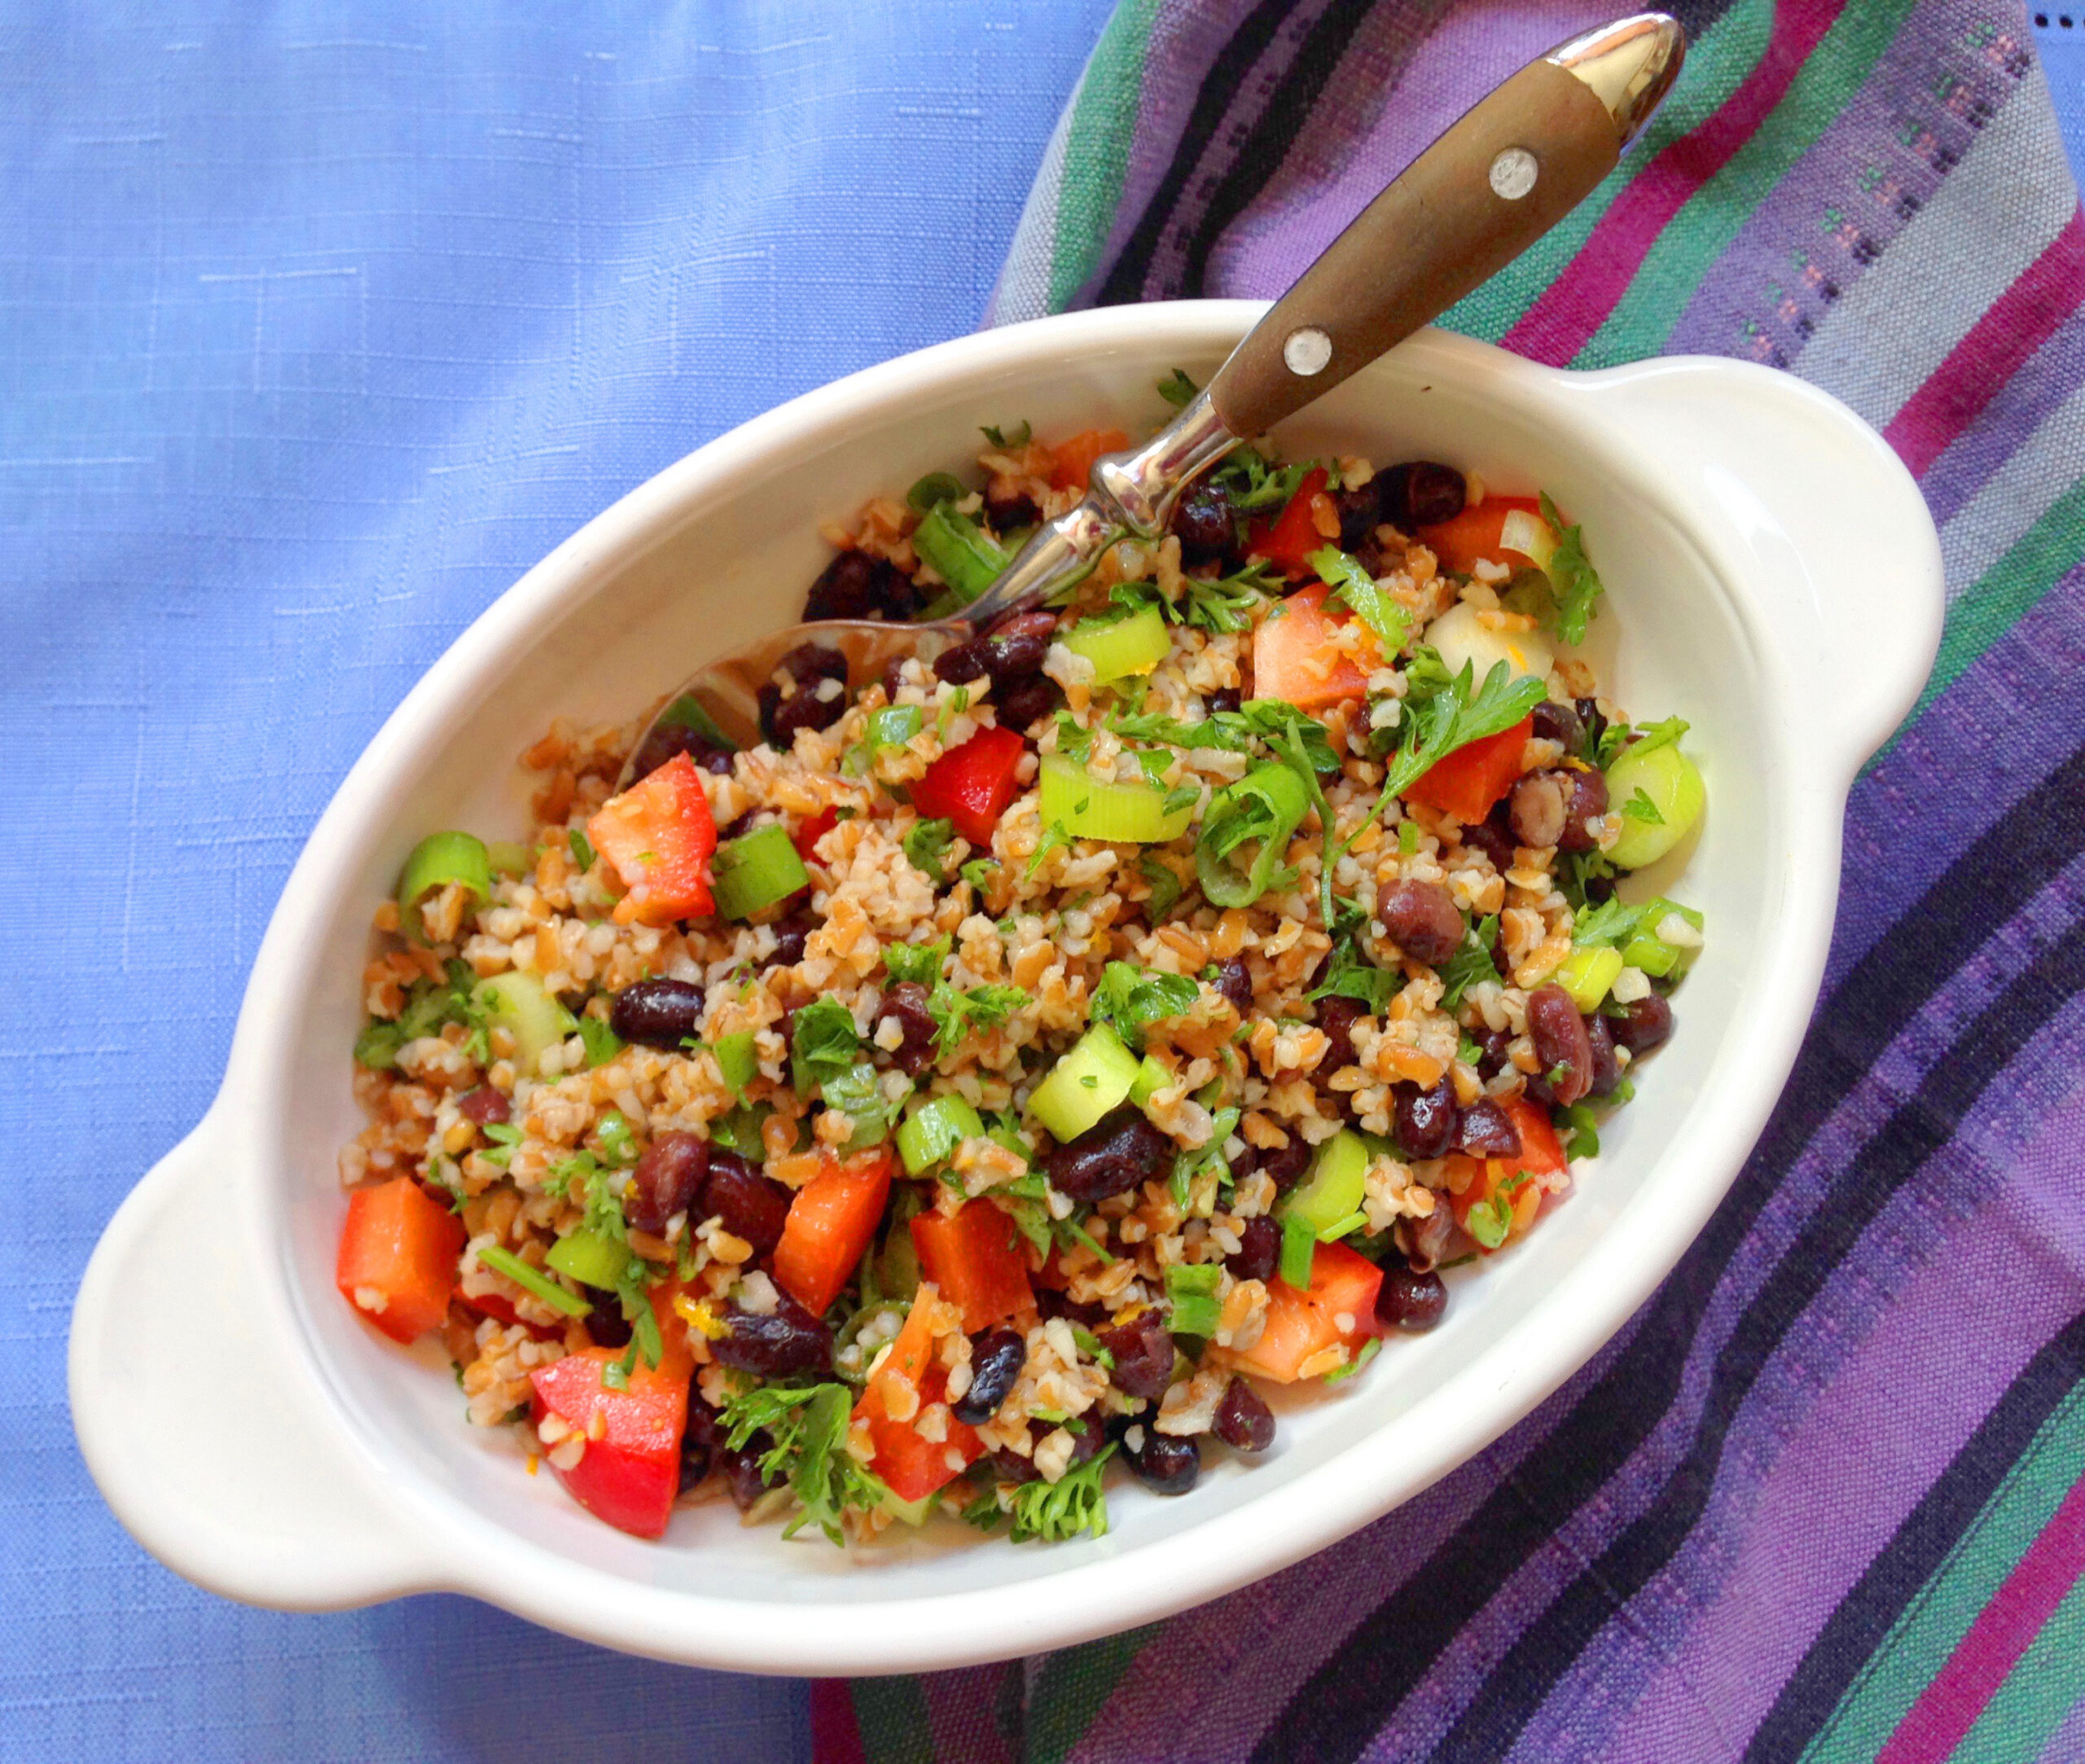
x=1014 y=1069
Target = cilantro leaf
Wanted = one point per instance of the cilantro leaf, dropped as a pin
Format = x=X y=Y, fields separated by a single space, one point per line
x=1610 y=925
x=1470 y=963
x=925 y=844
x=1253 y=481
x=1350 y=974
x=1019 y=437
x=1227 y=604
x=1055 y=1512
x=920 y=961
x=1166 y=886
x=958 y=1015
x=1572 y=576
x=1130 y=1000
x=823 y=1043
x=1354 y=587
x=1654 y=735
x=1639 y=807
x=809 y=1425
x=1074 y=742
x=1177 y=389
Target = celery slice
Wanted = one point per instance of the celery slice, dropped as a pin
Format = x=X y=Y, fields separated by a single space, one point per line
x=1191 y=1291
x=1334 y=1187
x=1650 y=951
x=1660 y=795
x=1586 y=974
x=1093 y=1076
x=1151 y=1077
x=438 y=860
x=933 y=1131
x=961 y=553
x=589 y=1258
x=1120 y=647
x=1086 y=808
x=509 y=857
x=516 y=1002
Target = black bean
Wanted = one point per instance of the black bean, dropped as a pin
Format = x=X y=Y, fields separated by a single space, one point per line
x=606 y=1325
x=1205 y=523
x=1026 y=702
x=1287 y=1166
x=742 y=1474
x=662 y=741
x=1052 y=1303
x=1561 y=1043
x=1607 y=1072
x=700 y=1441
x=1165 y=1464
x=782 y=1343
x=752 y=1206
x=1410 y=1301
x=1014 y=648
x=1644 y=1023
x=1120 y=1150
x=791 y=933
x=1587 y=803
x=1224 y=698
x=1337 y=1016
x=1560 y=723
x=1144 y=1354
x=1593 y=724
x=808 y=666
x=1424 y=1241
x=1234 y=980
x=1360 y=512
x=1426 y=1119
x=1539 y=802
x=961 y=663
x=855 y=585
x=1485 y=1129
x=1008 y=509
x=1011 y=1467
x=658 y=1013
x=906 y=1003
x=666 y=1180
x=1422 y=493
x=487 y=1106
x=1493 y=837
x=996 y=1358
x=1244 y=1422
x=1089 y=1434
x=1423 y=920
x=1493 y=1046
x=1259 y=1253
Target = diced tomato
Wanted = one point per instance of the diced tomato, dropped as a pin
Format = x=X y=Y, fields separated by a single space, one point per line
x=658 y=835
x=1343 y=1283
x=1457 y=544
x=910 y=1464
x=975 y=1258
x=1473 y=1182
x=1541 y=1151
x=830 y=1221
x=807 y=836
x=629 y=1475
x=972 y=784
x=1466 y=783
x=1288 y=540
x=1075 y=457
x=397 y=1259
x=1293 y=657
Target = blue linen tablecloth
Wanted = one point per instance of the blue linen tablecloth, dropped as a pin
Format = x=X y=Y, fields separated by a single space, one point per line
x=318 y=325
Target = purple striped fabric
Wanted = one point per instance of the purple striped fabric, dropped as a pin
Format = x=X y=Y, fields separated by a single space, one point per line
x=1732 y=1534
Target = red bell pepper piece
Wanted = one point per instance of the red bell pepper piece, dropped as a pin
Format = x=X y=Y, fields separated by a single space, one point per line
x=830 y=1222
x=1540 y=1154
x=1294 y=658
x=974 y=1257
x=1457 y=544
x=658 y=835
x=1075 y=457
x=629 y=1475
x=910 y=1464
x=972 y=784
x=397 y=1259
x=807 y=836
x=1287 y=541
x=1300 y=1324
x=1466 y=783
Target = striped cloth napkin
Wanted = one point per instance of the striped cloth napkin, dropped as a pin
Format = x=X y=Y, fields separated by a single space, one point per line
x=1821 y=1498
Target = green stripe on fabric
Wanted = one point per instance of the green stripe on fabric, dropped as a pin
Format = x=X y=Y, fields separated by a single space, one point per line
x=1716 y=66
x=1919 y=1642
x=893 y=1716
x=2038 y=1693
x=1712 y=217
x=1071 y=1688
x=2009 y=591
x=1097 y=147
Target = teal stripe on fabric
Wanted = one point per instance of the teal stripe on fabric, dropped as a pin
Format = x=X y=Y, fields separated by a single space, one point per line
x=1072 y=1688
x=2038 y=1693
x=1097 y=151
x=893 y=1716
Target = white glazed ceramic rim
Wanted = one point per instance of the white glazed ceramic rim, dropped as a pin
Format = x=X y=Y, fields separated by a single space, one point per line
x=332 y=1519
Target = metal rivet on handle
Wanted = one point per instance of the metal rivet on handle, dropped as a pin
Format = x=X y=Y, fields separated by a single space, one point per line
x=1306 y=351
x=1513 y=173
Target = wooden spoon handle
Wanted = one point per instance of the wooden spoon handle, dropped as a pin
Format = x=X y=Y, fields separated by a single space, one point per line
x=1499 y=179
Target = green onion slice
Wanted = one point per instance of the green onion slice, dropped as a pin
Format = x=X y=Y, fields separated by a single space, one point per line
x=506 y=1263
x=1261 y=810
x=437 y=861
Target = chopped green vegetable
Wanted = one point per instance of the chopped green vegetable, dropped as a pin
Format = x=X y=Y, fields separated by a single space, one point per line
x=1094 y=1076
x=582 y=849
x=1151 y=1077
x=1131 y=1000
x=438 y=861
x=611 y=1134
x=506 y=1263
x=739 y=1129
x=933 y=1131
x=1191 y=1293
x=893 y=726
x=377 y=1046
x=1259 y=814
x=1086 y=808
x=1670 y=782
x=685 y=711
x=1120 y=647
x=1369 y=1349
x=1657 y=946
x=1582 y=1131
x=1572 y=576
x=1177 y=389
x=1356 y=588
x=961 y=553
x=1470 y=963
x=918 y=961
x=959 y=1015
x=936 y=487
x=1228 y=604
x=736 y=1061
x=925 y=844
x=1299 y=1248
x=1639 y=807
x=1586 y=974
x=1489 y=1220
x=592 y=1258
x=517 y=1003
x=1055 y=1512
x=1019 y=435
x=823 y=1043
x=1350 y=974
x=602 y=1043
x=509 y=857
x=858 y=1093
x=1334 y=1187
x=1254 y=482
x=809 y=1425
x=756 y=870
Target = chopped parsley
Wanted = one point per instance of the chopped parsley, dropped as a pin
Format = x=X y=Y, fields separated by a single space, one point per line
x=1177 y=389
x=1572 y=576
x=958 y=1015
x=1353 y=586
x=977 y=872
x=1055 y=1512
x=1019 y=435
x=1350 y=974
x=809 y=1425
x=919 y=962
x=1227 y=604
x=823 y=1043
x=1253 y=482
x=1639 y=807
x=1130 y=1000
x=1470 y=963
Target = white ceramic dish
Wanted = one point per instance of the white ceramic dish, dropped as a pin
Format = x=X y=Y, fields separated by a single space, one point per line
x=1772 y=575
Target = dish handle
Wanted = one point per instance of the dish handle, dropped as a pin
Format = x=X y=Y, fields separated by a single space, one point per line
x=205 y=1443
x=1840 y=539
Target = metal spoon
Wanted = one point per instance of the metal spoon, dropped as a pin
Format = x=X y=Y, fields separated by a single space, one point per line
x=1499 y=178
